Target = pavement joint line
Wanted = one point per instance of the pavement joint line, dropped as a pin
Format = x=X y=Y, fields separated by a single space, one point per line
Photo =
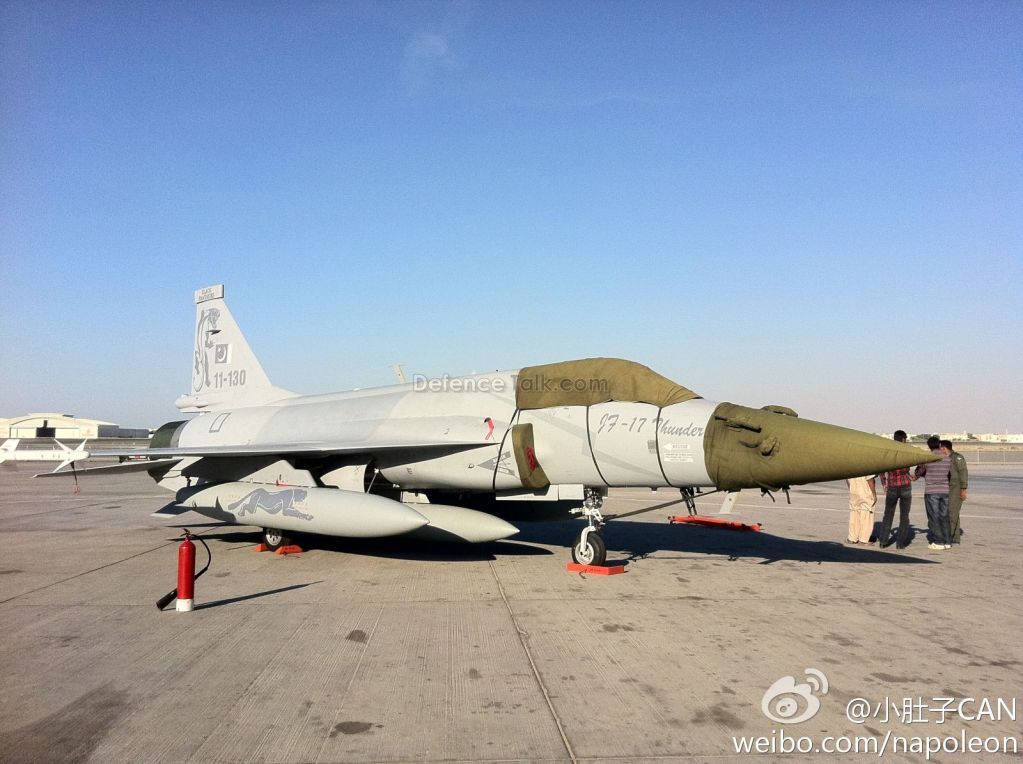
x=93 y=570
x=800 y=508
x=532 y=664
x=990 y=517
x=502 y=760
x=551 y=760
x=355 y=674
x=91 y=505
x=667 y=599
x=832 y=509
x=133 y=497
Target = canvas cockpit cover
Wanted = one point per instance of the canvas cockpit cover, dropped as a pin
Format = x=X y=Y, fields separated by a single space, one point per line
x=595 y=380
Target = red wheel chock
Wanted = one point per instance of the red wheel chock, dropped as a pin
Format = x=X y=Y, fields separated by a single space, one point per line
x=714 y=522
x=292 y=549
x=596 y=570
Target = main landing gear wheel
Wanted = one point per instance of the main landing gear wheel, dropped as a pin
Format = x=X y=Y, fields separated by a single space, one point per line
x=590 y=549
x=275 y=539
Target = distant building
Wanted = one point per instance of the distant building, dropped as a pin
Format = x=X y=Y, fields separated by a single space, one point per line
x=956 y=437
x=965 y=437
x=1001 y=437
x=53 y=425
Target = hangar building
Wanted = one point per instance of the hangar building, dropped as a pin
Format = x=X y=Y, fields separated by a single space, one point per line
x=53 y=425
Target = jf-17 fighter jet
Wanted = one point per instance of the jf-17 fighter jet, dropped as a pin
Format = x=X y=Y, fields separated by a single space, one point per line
x=455 y=458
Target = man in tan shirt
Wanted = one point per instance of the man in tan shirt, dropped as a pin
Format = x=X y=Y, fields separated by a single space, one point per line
x=862 y=498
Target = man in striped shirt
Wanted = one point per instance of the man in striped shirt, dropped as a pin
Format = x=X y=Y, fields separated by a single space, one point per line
x=935 y=477
x=898 y=489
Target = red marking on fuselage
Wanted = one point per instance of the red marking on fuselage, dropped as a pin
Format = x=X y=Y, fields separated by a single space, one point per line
x=531 y=458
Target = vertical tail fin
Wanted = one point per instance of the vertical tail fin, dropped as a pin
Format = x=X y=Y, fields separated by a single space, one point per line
x=225 y=371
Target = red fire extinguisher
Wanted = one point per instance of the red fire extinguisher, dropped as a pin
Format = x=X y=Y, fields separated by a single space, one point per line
x=185 y=591
x=186 y=575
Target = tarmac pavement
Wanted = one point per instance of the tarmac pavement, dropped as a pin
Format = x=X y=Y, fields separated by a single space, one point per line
x=394 y=651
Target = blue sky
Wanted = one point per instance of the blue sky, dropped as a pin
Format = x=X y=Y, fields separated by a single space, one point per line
x=809 y=204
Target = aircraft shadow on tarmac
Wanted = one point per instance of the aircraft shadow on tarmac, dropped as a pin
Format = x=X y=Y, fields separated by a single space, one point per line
x=627 y=542
x=636 y=539
x=394 y=547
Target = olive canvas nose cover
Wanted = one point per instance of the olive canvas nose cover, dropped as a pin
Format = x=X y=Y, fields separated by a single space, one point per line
x=772 y=448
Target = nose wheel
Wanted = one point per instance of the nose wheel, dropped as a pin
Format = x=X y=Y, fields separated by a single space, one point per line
x=591 y=549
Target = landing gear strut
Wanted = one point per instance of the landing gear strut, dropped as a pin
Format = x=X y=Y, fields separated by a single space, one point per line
x=590 y=549
x=689 y=497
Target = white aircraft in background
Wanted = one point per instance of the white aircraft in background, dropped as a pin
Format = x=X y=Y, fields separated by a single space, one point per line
x=9 y=452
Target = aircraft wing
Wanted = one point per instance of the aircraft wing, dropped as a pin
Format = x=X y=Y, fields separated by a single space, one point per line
x=311 y=448
x=165 y=457
x=112 y=469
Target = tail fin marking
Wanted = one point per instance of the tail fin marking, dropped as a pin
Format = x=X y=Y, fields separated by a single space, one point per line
x=225 y=371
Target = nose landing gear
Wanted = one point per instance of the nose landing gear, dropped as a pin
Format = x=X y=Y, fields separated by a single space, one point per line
x=591 y=549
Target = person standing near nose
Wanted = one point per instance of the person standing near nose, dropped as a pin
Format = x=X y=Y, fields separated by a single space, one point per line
x=898 y=490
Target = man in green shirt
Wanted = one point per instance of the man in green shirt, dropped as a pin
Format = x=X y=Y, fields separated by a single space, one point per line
x=958 y=478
